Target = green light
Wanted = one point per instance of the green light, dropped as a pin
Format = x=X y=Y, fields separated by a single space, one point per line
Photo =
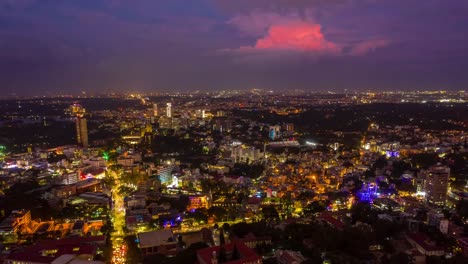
x=2 y=151
x=105 y=156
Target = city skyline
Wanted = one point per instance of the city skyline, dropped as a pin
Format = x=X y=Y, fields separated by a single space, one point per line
x=51 y=47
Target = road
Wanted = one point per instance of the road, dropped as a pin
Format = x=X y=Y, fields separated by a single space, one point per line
x=119 y=248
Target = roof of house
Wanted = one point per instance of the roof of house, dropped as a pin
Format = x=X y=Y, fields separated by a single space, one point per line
x=156 y=238
x=55 y=249
x=331 y=220
x=424 y=241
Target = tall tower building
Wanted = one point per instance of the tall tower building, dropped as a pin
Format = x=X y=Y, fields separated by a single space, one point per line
x=155 y=109
x=169 y=110
x=437 y=181
x=81 y=125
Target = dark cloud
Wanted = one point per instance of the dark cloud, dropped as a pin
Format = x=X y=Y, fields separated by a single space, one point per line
x=52 y=46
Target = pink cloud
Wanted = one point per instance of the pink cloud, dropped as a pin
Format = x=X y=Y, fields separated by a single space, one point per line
x=298 y=32
x=299 y=36
x=368 y=46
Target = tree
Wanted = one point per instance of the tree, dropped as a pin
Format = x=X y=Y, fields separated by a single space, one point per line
x=406 y=187
x=221 y=237
x=226 y=227
x=380 y=163
x=108 y=181
x=235 y=253
x=399 y=167
x=369 y=174
x=315 y=207
x=222 y=251
x=54 y=157
x=270 y=212
x=249 y=170
x=400 y=258
x=219 y=212
x=198 y=215
x=181 y=203
x=424 y=160
x=180 y=242
x=222 y=255
x=133 y=178
x=462 y=208
x=362 y=212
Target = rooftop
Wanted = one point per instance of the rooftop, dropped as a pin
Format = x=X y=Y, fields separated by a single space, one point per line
x=47 y=251
x=156 y=238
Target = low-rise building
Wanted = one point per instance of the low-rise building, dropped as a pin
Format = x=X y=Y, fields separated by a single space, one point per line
x=158 y=242
x=424 y=245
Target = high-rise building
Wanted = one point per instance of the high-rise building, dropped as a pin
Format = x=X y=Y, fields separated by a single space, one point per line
x=81 y=125
x=169 y=110
x=437 y=180
x=155 y=109
x=165 y=122
x=288 y=127
x=82 y=132
x=274 y=132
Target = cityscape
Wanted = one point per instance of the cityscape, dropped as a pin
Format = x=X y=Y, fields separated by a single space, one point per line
x=235 y=177
x=233 y=132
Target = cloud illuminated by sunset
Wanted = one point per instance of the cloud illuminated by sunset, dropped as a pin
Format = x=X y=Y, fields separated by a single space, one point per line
x=299 y=36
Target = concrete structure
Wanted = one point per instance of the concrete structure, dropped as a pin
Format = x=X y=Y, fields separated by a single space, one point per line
x=158 y=242
x=155 y=109
x=81 y=125
x=82 y=132
x=437 y=181
x=169 y=110
x=425 y=246
x=69 y=250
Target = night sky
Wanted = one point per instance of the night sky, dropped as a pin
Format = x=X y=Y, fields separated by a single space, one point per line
x=69 y=46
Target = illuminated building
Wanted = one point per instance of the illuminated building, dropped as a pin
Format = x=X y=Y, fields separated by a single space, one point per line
x=165 y=122
x=15 y=221
x=437 y=184
x=169 y=110
x=165 y=174
x=222 y=125
x=274 y=132
x=246 y=154
x=200 y=113
x=368 y=192
x=70 y=178
x=289 y=127
x=81 y=125
x=155 y=109
x=198 y=201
